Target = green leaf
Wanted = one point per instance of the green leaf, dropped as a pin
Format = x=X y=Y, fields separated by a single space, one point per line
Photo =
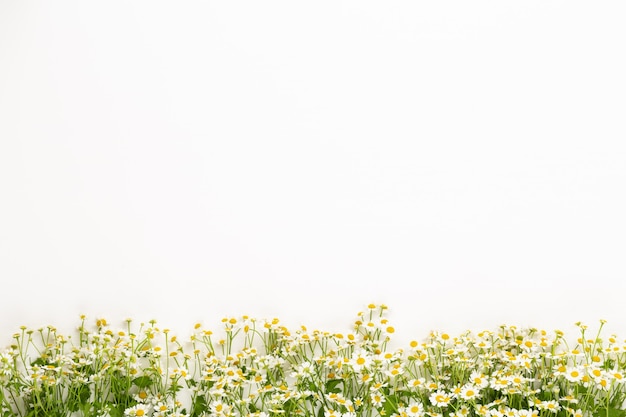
x=38 y=362
x=84 y=394
x=612 y=412
x=391 y=404
x=198 y=407
x=142 y=381
x=116 y=412
x=331 y=386
x=289 y=405
x=174 y=388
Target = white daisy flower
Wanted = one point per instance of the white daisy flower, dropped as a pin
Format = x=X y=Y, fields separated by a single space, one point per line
x=440 y=398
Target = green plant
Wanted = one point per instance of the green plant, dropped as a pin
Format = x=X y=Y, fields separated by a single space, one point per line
x=259 y=368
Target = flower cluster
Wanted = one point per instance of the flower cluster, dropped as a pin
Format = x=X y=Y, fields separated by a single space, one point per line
x=259 y=368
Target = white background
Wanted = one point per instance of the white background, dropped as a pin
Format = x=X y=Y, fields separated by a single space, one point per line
x=463 y=162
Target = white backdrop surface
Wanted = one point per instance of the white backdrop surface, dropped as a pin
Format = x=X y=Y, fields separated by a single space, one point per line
x=463 y=162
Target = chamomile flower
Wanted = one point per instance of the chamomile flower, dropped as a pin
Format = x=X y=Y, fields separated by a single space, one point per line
x=617 y=376
x=603 y=383
x=304 y=370
x=469 y=393
x=479 y=380
x=332 y=413
x=527 y=413
x=141 y=397
x=550 y=405
x=160 y=408
x=574 y=374
x=440 y=398
x=377 y=399
x=414 y=409
x=416 y=383
x=360 y=359
x=258 y=369
x=576 y=413
x=218 y=408
x=395 y=371
x=138 y=410
x=499 y=383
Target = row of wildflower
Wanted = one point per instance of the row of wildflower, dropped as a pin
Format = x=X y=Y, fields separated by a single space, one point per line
x=259 y=368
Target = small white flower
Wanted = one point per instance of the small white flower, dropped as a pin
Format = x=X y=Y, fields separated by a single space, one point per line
x=332 y=413
x=574 y=374
x=440 y=398
x=415 y=409
x=377 y=399
x=469 y=392
x=137 y=411
x=360 y=359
